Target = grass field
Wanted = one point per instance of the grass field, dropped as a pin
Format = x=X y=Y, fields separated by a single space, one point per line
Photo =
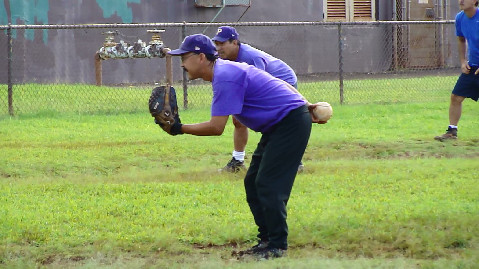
x=113 y=191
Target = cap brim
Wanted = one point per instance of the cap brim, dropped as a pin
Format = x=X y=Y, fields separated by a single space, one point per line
x=219 y=39
x=177 y=52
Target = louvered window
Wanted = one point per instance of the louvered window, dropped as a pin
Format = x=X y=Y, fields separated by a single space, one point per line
x=336 y=10
x=363 y=10
x=349 y=10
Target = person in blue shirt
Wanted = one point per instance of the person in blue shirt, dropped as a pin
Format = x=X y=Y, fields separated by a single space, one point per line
x=264 y=104
x=230 y=48
x=467 y=85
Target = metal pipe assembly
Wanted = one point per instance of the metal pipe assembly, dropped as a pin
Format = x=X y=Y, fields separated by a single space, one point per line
x=122 y=50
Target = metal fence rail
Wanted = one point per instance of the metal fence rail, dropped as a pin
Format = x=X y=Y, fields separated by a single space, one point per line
x=338 y=62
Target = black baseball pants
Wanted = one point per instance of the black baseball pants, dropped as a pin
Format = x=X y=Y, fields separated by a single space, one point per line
x=271 y=175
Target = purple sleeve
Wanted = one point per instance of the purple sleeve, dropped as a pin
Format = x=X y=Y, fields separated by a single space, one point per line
x=228 y=98
x=258 y=62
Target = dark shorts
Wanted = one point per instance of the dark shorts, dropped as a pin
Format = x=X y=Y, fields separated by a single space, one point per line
x=467 y=85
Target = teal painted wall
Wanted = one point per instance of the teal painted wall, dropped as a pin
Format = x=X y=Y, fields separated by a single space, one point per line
x=27 y=12
x=121 y=8
x=36 y=12
x=3 y=15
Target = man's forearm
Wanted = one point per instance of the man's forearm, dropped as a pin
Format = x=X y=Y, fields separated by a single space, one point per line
x=215 y=126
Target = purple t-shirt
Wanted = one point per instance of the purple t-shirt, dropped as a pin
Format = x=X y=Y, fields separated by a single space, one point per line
x=266 y=62
x=254 y=97
x=468 y=28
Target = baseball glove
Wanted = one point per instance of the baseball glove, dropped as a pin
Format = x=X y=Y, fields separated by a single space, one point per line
x=164 y=109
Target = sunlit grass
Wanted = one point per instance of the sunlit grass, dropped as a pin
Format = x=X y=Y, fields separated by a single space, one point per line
x=113 y=190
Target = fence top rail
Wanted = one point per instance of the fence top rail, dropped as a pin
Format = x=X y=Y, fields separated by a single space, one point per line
x=203 y=24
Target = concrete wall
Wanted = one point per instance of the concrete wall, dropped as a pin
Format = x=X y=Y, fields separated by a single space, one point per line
x=67 y=55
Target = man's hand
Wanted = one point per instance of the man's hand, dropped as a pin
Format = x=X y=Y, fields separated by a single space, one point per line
x=465 y=68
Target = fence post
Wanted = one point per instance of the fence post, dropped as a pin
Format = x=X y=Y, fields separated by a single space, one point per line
x=394 y=37
x=395 y=47
x=185 y=77
x=340 y=58
x=169 y=70
x=98 y=69
x=9 y=69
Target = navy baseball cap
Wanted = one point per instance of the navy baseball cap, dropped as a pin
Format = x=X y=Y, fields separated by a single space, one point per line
x=197 y=43
x=226 y=33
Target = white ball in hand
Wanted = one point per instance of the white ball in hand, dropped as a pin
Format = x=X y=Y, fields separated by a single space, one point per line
x=323 y=111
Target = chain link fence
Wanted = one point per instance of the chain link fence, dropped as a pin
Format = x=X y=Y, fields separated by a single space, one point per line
x=342 y=63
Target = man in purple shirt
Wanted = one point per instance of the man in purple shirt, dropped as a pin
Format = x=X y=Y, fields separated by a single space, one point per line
x=264 y=104
x=230 y=48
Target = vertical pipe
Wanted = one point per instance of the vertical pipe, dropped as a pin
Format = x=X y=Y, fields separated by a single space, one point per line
x=395 y=47
x=9 y=69
x=444 y=32
x=340 y=49
x=447 y=45
x=395 y=36
x=408 y=36
x=408 y=10
x=185 y=78
x=394 y=18
x=98 y=69
x=169 y=69
x=441 y=33
x=437 y=10
x=446 y=10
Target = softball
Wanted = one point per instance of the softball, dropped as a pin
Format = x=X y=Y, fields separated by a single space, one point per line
x=323 y=111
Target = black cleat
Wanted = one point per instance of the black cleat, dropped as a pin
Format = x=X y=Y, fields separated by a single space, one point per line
x=270 y=253
x=252 y=250
x=451 y=134
x=233 y=166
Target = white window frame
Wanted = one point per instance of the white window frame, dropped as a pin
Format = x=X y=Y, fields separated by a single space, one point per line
x=204 y=3
x=222 y=3
x=349 y=4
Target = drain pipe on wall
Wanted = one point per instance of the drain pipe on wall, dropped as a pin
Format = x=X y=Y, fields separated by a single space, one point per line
x=9 y=69
x=395 y=37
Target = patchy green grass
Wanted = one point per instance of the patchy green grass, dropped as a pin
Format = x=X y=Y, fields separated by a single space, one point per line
x=114 y=191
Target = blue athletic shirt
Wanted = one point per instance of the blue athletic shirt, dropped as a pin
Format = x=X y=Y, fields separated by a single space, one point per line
x=469 y=28
x=266 y=62
x=254 y=97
